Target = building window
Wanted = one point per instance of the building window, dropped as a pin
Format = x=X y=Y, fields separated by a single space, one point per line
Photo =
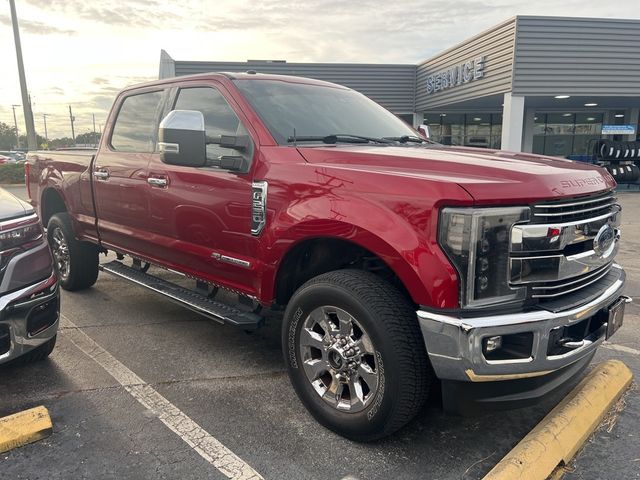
x=566 y=134
x=468 y=129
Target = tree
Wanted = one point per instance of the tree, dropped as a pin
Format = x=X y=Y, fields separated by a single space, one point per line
x=89 y=138
x=7 y=137
x=40 y=141
x=60 y=143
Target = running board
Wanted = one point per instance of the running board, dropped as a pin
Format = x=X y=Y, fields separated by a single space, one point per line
x=190 y=299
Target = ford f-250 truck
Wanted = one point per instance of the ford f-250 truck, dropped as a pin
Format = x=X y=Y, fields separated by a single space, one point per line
x=398 y=261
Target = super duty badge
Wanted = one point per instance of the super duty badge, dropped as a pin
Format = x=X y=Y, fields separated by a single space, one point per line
x=258 y=207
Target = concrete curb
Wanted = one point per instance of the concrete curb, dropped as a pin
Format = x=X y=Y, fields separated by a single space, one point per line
x=562 y=432
x=24 y=427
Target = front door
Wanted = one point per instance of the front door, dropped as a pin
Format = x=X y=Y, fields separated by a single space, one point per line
x=201 y=217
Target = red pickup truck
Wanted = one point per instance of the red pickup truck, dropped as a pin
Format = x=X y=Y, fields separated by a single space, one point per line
x=398 y=262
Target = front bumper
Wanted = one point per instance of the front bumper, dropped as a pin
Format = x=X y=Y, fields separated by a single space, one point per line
x=454 y=344
x=28 y=318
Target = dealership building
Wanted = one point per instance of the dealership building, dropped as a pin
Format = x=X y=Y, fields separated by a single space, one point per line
x=549 y=85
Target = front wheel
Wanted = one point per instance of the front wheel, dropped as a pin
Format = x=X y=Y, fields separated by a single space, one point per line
x=355 y=354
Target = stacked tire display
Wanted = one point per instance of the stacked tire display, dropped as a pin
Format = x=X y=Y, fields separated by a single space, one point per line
x=623 y=159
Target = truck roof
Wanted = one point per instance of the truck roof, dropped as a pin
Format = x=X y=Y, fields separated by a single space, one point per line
x=249 y=75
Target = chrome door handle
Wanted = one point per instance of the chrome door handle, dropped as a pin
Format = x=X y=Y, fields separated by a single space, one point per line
x=101 y=174
x=157 y=182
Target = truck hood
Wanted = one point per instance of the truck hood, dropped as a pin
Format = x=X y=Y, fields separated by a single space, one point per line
x=12 y=207
x=489 y=176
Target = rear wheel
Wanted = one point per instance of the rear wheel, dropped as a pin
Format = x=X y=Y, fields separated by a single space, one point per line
x=76 y=262
x=355 y=354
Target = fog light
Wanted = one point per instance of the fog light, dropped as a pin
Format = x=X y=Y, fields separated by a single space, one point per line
x=493 y=343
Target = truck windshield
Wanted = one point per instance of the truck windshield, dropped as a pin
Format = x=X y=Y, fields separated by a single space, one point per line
x=318 y=111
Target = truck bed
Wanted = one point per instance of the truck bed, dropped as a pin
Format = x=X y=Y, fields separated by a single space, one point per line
x=63 y=175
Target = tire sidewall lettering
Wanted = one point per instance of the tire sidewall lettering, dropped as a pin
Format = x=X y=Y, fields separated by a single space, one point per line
x=292 y=335
x=377 y=402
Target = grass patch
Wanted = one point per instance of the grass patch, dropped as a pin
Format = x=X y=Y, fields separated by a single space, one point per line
x=12 y=173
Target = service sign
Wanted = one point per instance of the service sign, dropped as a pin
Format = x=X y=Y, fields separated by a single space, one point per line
x=456 y=75
x=618 y=129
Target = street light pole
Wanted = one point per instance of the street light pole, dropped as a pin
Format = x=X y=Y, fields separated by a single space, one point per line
x=73 y=119
x=26 y=104
x=46 y=137
x=15 y=121
x=94 y=129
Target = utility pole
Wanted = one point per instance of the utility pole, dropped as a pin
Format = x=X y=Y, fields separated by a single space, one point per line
x=26 y=104
x=15 y=121
x=73 y=119
x=46 y=137
x=95 y=140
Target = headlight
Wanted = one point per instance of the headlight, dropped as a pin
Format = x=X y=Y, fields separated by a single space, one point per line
x=18 y=238
x=476 y=240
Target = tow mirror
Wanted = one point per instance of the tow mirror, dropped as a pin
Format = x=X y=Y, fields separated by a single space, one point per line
x=424 y=131
x=181 y=139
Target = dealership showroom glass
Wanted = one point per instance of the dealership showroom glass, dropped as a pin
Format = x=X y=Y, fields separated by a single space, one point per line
x=549 y=85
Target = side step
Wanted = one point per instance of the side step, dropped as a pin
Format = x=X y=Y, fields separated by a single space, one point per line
x=190 y=299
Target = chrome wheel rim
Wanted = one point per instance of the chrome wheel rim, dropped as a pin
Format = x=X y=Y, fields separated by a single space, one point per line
x=60 y=250
x=339 y=359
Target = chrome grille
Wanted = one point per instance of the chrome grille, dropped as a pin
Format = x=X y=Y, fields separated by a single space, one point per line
x=575 y=209
x=558 y=288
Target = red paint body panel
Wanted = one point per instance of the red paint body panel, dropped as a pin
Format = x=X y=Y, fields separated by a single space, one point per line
x=383 y=198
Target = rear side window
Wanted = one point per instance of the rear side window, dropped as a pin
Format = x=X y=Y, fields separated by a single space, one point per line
x=136 y=125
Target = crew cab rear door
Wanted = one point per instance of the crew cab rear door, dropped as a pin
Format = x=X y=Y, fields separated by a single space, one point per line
x=120 y=171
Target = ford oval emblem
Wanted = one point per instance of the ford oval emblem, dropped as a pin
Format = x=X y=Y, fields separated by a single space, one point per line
x=604 y=239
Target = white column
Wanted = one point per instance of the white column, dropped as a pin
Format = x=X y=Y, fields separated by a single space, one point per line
x=512 y=122
x=418 y=118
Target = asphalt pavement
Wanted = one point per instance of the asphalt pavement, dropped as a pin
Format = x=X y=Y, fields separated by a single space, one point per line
x=233 y=386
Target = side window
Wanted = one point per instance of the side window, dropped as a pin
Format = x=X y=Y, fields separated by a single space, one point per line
x=219 y=118
x=136 y=125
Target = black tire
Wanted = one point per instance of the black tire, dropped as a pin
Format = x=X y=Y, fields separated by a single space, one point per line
x=81 y=269
x=628 y=174
x=635 y=176
x=608 y=149
x=619 y=174
x=617 y=150
x=401 y=364
x=37 y=354
x=624 y=150
x=622 y=174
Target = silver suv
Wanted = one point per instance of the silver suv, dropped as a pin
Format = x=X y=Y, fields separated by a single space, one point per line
x=29 y=294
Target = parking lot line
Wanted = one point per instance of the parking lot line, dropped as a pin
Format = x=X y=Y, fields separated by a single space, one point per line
x=621 y=348
x=189 y=431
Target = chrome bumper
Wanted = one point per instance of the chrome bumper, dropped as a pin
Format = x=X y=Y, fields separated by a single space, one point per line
x=454 y=344
x=16 y=308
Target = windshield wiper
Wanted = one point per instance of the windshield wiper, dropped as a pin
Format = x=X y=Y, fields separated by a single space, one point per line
x=338 y=137
x=407 y=139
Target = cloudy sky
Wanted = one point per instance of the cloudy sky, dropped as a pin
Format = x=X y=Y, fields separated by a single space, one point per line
x=80 y=53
